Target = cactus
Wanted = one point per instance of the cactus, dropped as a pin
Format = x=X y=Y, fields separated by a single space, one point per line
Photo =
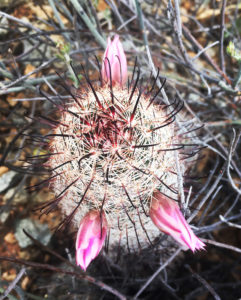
x=114 y=145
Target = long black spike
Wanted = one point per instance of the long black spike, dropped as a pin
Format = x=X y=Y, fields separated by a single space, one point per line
x=166 y=124
x=67 y=187
x=170 y=189
x=53 y=121
x=128 y=196
x=92 y=88
x=107 y=174
x=25 y=170
x=194 y=129
x=111 y=88
x=175 y=104
x=144 y=229
x=66 y=162
x=72 y=67
x=101 y=211
x=60 y=107
x=85 y=156
x=128 y=216
x=188 y=145
x=134 y=70
x=156 y=94
x=127 y=241
x=139 y=244
x=107 y=241
x=140 y=170
x=169 y=196
x=42 y=156
x=58 y=135
x=42 y=182
x=135 y=85
x=176 y=112
x=67 y=220
x=145 y=146
x=121 y=79
x=135 y=107
x=99 y=68
x=142 y=206
x=154 y=83
x=67 y=89
x=172 y=149
x=48 y=207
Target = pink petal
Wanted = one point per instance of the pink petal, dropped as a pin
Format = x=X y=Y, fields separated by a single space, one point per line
x=114 y=66
x=90 y=238
x=167 y=216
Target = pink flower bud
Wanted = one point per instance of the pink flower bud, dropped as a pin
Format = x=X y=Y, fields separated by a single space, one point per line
x=114 y=65
x=167 y=216
x=90 y=238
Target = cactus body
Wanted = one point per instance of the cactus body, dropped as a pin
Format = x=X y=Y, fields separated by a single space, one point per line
x=113 y=148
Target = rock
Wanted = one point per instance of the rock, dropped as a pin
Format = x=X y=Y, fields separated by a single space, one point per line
x=4 y=26
x=10 y=238
x=20 y=196
x=6 y=179
x=3 y=170
x=3 y=216
x=37 y=230
x=193 y=97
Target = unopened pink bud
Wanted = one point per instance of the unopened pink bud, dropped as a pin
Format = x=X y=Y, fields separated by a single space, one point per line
x=90 y=238
x=167 y=216
x=114 y=65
